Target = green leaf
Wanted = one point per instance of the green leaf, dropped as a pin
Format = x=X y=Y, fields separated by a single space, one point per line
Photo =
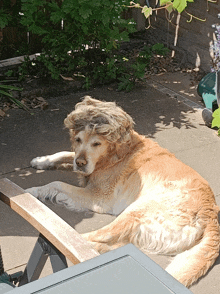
x=160 y=49
x=105 y=19
x=147 y=11
x=169 y=8
x=9 y=87
x=56 y=17
x=85 y=12
x=164 y=2
x=179 y=5
x=124 y=36
x=216 y=118
x=4 y=18
x=37 y=29
x=82 y=1
x=6 y=93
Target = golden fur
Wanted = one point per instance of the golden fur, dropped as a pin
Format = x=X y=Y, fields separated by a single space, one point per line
x=163 y=205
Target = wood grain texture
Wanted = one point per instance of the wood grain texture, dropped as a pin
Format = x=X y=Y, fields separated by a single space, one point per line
x=55 y=229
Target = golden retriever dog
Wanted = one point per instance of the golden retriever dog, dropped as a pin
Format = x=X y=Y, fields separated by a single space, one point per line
x=162 y=205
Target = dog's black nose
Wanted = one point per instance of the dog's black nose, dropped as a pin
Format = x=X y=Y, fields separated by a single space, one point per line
x=81 y=161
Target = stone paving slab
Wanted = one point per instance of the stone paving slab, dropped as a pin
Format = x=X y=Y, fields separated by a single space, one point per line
x=206 y=161
x=23 y=136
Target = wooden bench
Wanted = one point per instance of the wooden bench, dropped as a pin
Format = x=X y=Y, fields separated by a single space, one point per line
x=55 y=234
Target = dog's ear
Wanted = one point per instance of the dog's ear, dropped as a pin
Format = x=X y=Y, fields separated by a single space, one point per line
x=122 y=149
x=133 y=140
x=69 y=123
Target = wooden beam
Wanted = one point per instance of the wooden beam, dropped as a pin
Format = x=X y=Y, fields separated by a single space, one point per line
x=16 y=60
x=49 y=224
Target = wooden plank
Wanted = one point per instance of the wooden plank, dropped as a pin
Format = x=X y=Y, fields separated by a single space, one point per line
x=16 y=60
x=55 y=229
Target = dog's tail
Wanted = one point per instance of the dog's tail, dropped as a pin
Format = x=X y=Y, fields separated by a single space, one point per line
x=189 y=266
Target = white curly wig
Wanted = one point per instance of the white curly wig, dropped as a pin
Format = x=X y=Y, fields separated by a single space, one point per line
x=104 y=118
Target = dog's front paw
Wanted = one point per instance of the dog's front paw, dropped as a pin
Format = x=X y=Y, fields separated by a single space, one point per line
x=38 y=193
x=42 y=162
x=33 y=191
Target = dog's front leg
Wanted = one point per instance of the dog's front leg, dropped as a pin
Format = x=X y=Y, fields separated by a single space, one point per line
x=57 y=160
x=74 y=198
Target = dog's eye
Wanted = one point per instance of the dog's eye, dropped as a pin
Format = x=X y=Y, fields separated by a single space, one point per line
x=78 y=140
x=95 y=144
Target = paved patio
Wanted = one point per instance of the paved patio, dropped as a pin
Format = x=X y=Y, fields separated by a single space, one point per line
x=160 y=113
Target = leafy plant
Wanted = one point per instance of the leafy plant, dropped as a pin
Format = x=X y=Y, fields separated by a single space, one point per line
x=4 y=18
x=69 y=28
x=80 y=38
x=125 y=83
x=160 y=49
x=87 y=83
x=147 y=52
x=179 y=5
x=169 y=5
x=134 y=72
x=9 y=13
x=145 y=55
x=215 y=54
x=5 y=90
x=136 y=69
x=216 y=120
x=9 y=73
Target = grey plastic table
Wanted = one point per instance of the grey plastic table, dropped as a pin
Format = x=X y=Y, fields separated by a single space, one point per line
x=125 y=270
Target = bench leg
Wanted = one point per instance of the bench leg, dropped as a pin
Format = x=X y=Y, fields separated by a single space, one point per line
x=42 y=250
x=58 y=261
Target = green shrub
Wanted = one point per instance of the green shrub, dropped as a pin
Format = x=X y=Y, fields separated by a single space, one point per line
x=9 y=14
x=69 y=28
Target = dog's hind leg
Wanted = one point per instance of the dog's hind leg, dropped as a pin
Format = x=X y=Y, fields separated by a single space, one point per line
x=121 y=231
x=187 y=267
x=59 y=160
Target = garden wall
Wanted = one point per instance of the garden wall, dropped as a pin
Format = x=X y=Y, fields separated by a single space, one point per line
x=194 y=37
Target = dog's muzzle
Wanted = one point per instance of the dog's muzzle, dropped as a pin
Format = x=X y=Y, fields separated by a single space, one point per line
x=81 y=163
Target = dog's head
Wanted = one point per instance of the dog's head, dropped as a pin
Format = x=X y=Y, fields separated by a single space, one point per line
x=97 y=130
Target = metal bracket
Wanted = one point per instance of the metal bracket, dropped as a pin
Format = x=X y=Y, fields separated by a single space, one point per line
x=42 y=250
